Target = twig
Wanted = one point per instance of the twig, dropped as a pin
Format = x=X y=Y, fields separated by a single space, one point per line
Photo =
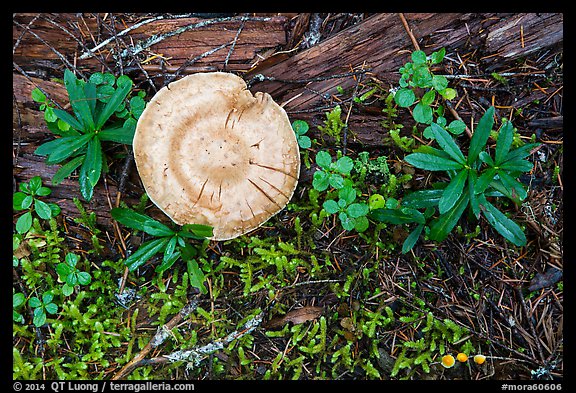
x=345 y=133
x=161 y=334
x=143 y=45
x=233 y=44
x=262 y=78
x=60 y=56
x=90 y=52
x=409 y=31
x=27 y=28
x=195 y=355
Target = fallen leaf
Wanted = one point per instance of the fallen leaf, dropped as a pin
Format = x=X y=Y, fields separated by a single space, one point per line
x=300 y=315
x=547 y=279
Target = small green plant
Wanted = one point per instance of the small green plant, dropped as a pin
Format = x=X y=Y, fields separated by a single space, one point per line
x=352 y=214
x=331 y=173
x=94 y=103
x=27 y=199
x=416 y=76
x=300 y=127
x=18 y=300
x=333 y=125
x=473 y=179
x=437 y=338
x=41 y=307
x=70 y=275
x=173 y=244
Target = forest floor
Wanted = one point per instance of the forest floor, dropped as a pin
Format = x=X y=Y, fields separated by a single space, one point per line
x=299 y=297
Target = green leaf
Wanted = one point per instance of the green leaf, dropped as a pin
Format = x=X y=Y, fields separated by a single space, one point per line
x=42 y=209
x=443 y=225
x=84 y=278
x=141 y=222
x=49 y=115
x=428 y=97
x=67 y=289
x=197 y=231
x=521 y=152
x=481 y=135
x=431 y=162
x=47 y=297
x=403 y=215
x=503 y=143
x=304 y=142
x=448 y=93
x=323 y=159
x=66 y=170
x=196 y=275
x=336 y=181
x=447 y=143
x=146 y=251
x=17 y=200
x=27 y=201
x=34 y=302
x=344 y=165
x=484 y=180
x=439 y=82
x=69 y=119
x=423 y=198
x=78 y=101
x=517 y=165
x=167 y=262
x=51 y=308
x=404 y=97
x=300 y=127
x=472 y=179
x=438 y=56
x=347 y=222
x=418 y=57
x=356 y=210
x=24 y=222
x=39 y=317
x=60 y=149
x=412 y=238
x=505 y=226
x=515 y=190
x=72 y=259
x=63 y=270
x=34 y=184
x=43 y=191
x=137 y=105
x=93 y=162
x=38 y=96
x=331 y=206
x=320 y=180
x=90 y=93
x=347 y=194
x=457 y=127
x=361 y=224
x=115 y=101
x=453 y=191
x=123 y=135
x=422 y=113
x=485 y=158
x=18 y=299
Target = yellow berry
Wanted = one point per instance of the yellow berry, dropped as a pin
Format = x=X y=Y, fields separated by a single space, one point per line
x=462 y=357
x=479 y=359
x=448 y=361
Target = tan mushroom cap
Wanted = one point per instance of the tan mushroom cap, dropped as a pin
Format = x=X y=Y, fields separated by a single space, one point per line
x=209 y=152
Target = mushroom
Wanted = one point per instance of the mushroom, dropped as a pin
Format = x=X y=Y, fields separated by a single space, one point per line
x=209 y=152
